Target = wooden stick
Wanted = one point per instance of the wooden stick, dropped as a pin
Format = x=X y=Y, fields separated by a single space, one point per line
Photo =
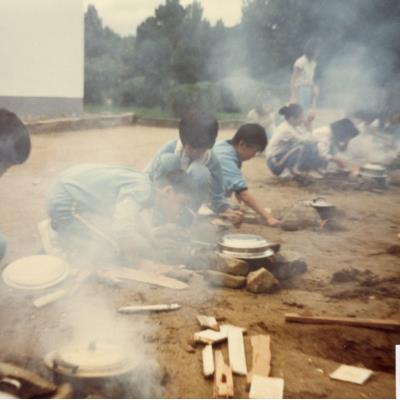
x=236 y=351
x=208 y=322
x=223 y=384
x=208 y=361
x=261 y=346
x=384 y=324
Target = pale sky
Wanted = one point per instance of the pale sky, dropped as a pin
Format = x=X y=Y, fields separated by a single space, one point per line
x=123 y=16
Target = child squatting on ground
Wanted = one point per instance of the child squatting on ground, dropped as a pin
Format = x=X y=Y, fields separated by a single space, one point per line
x=245 y=144
x=104 y=213
x=192 y=153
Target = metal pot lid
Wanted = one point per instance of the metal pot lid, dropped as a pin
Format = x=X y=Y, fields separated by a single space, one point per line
x=242 y=241
x=90 y=361
x=246 y=255
x=321 y=203
x=373 y=167
x=6 y=395
x=36 y=272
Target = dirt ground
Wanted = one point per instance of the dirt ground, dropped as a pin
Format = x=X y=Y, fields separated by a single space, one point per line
x=304 y=355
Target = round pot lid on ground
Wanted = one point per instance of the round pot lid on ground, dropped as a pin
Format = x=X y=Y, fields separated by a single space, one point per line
x=36 y=272
x=245 y=246
x=90 y=361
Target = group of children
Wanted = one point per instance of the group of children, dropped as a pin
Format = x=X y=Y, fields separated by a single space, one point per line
x=116 y=212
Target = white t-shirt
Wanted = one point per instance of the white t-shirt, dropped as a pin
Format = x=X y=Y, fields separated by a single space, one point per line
x=284 y=138
x=307 y=69
x=323 y=136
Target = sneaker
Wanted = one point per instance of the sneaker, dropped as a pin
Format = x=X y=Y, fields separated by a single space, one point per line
x=286 y=174
x=49 y=239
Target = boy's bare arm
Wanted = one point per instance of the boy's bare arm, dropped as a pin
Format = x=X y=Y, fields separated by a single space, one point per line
x=252 y=202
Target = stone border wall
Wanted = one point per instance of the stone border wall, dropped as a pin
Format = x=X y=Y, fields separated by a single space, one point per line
x=109 y=121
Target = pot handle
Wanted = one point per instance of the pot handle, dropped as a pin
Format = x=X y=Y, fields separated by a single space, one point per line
x=57 y=364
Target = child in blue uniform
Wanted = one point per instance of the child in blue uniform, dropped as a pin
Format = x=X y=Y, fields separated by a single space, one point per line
x=99 y=211
x=246 y=143
x=192 y=153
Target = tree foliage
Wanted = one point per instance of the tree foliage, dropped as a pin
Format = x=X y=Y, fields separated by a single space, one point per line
x=177 y=46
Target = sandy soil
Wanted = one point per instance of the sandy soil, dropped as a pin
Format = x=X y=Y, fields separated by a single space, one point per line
x=303 y=354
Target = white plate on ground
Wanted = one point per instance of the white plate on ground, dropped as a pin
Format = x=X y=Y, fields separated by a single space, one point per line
x=36 y=272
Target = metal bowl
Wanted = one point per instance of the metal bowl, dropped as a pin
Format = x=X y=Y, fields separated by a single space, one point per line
x=245 y=246
x=373 y=171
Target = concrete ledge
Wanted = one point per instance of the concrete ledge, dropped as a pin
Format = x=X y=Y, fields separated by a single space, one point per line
x=80 y=123
x=174 y=123
x=109 y=121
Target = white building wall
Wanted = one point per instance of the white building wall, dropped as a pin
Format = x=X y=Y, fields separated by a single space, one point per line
x=42 y=56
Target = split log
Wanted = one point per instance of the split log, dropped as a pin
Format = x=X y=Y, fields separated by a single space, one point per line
x=263 y=387
x=208 y=322
x=128 y=274
x=32 y=385
x=223 y=384
x=236 y=352
x=208 y=361
x=261 y=365
x=383 y=324
x=209 y=336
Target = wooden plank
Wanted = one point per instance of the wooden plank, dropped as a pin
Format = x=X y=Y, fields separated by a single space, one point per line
x=226 y=327
x=348 y=373
x=208 y=322
x=49 y=298
x=150 y=278
x=261 y=357
x=208 y=361
x=223 y=383
x=148 y=308
x=237 y=354
x=384 y=324
x=209 y=336
x=263 y=387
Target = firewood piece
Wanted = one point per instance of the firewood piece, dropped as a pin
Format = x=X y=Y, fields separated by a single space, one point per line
x=348 y=373
x=384 y=324
x=223 y=384
x=129 y=274
x=64 y=391
x=208 y=322
x=32 y=385
x=148 y=308
x=209 y=336
x=236 y=352
x=208 y=361
x=226 y=327
x=263 y=387
x=49 y=298
x=261 y=346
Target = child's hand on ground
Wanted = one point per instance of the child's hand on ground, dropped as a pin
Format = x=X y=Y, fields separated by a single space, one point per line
x=271 y=221
x=234 y=216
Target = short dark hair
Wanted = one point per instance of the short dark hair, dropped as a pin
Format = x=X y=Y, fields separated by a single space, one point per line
x=343 y=129
x=290 y=111
x=253 y=135
x=311 y=48
x=198 y=129
x=15 y=142
x=179 y=180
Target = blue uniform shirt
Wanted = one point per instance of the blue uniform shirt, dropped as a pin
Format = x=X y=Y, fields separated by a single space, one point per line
x=230 y=165
x=109 y=198
x=218 y=202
